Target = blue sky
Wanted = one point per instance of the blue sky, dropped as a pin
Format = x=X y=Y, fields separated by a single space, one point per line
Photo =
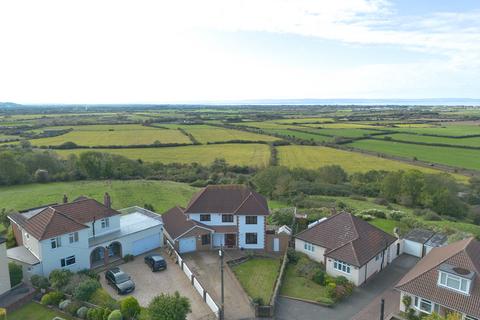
x=152 y=51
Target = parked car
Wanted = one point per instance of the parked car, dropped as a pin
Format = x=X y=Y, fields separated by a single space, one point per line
x=156 y=262
x=119 y=280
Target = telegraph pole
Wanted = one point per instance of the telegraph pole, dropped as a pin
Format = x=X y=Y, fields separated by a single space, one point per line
x=382 y=309
x=222 y=305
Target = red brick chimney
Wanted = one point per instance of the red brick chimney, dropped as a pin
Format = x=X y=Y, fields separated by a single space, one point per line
x=65 y=198
x=107 y=201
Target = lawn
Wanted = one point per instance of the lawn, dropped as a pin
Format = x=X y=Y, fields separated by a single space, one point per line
x=106 y=135
x=456 y=157
x=247 y=154
x=314 y=157
x=35 y=311
x=161 y=194
x=258 y=276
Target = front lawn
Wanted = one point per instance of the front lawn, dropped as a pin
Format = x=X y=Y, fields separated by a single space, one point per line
x=35 y=311
x=258 y=276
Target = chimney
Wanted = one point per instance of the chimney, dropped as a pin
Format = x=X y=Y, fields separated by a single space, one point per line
x=65 y=198
x=107 y=201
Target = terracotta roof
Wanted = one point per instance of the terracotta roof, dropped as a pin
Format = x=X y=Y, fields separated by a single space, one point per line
x=233 y=199
x=176 y=223
x=59 y=219
x=348 y=238
x=422 y=279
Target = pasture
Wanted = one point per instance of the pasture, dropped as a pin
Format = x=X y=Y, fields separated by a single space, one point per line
x=345 y=132
x=251 y=154
x=455 y=157
x=471 y=142
x=444 y=130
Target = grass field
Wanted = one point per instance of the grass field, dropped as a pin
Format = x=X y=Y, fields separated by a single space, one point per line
x=341 y=125
x=35 y=311
x=236 y=154
x=456 y=157
x=258 y=276
x=300 y=135
x=161 y=194
x=472 y=142
x=446 y=130
x=105 y=135
x=313 y=157
x=345 y=132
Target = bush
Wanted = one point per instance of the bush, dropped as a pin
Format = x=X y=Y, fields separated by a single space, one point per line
x=16 y=273
x=331 y=290
x=3 y=314
x=292 y=255
x=432 y=216
x=89 y=273
x=60 y=278
x=101 y=298
x=166 y=306
x=39 y=282
x=381 y=201
x=374 y=212
x=52 y=298
x=82 y=312
x=115 y=315
x=396 y=215
x=64 y=304
x=130 y=307
x=128 y=257
x=258 y=301
x=86 y=289
x=98 y=314
x=319 y=277
x=341 y=280
x=72 y=308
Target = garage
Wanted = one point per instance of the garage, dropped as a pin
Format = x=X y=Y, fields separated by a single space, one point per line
x=187 y=245
x=146 y=244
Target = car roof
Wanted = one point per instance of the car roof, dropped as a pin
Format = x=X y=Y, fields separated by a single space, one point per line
x=155 y=257
x=116 y=270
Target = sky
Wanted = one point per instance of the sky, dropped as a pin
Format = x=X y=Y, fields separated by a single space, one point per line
x=187 y=51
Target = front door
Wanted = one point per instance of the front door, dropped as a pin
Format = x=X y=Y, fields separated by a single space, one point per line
x=230 y=240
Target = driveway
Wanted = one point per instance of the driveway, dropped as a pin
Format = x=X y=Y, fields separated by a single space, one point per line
x=149 y=284
x=363 y=304
x=206 y=265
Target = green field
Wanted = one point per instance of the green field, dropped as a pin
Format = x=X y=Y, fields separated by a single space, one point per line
x=471 y=142
x=345 y=132
x=251 y=154
x=314 y=157
x=106 y=135
x=456 y=157
x=35 y=311
x=161 y=194
x=445 y=130
x=300 y=135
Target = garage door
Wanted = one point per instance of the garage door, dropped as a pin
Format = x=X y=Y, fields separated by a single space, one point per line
x=187 y=245
x=412 y=248
x=146 y=244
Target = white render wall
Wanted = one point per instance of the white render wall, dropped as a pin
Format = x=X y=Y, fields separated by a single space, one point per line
x=32 y=244
x=244 y=228
x=114 y=225
x=215 y=219
x=317 y=254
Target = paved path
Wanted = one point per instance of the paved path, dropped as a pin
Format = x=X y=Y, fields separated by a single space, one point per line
x=360 y=304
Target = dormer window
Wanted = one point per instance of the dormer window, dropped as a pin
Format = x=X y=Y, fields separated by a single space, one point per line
x=105 y=223
x=454 y=282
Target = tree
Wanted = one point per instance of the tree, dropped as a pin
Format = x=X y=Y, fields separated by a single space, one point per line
x=169 y=307
x=411 y=187
x=16 y=273
x=4 y=217
x=60 y=278
x=390 y=186
x=130 y=307
x=333 y=174
x=85 y=289
x=11 y=170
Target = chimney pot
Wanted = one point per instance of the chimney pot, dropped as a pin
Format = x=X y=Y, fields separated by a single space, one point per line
x=65 y=198
x=107 y=201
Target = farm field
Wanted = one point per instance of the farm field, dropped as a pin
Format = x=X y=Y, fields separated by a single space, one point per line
x=251 y=154
x=345 y=132
x=471 y=142
x=455 y=157
x=340 y=125
x=300 y=135
x=313 y=157
x=106 y=135
x=445 y=130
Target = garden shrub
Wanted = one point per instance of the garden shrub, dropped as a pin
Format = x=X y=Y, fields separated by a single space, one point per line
x=60 y=278
x=3 y=314
x=82 y=312
x=130 y=307
x=374 y=212
x=258 y=300
x=103 y=299
x=86 y=289
x=396 y=215
x=115 y=315
x=128 y=257
x=64 y=304
x=292 y=255
x=39 y=282
x=16 y=273
x=332 y=290
x=73 y=307
x=52 y=298
x=89 y=273
x=341 y=280
x=98 y=314
x=432 y=216
x=319 y=277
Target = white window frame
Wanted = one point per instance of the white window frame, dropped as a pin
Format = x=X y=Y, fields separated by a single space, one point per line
x=342 y=267
x=63 y=261
x=418 y=305
x=105 y=223
x=467 y=317
x=309 y=247
x=73 y=237
x=27 y=236
x=447 y=275
x=55 y=242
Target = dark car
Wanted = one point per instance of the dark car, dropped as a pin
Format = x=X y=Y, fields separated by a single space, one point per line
x=156 y=262
x=120 y=280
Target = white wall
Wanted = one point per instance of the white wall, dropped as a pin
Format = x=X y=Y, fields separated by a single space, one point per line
x=412 y=248
x=259 y=228
x=127 y=242
x=32 y=244
x=114 y=225
x=317 y=253
x=4 y=273
x=215 y=219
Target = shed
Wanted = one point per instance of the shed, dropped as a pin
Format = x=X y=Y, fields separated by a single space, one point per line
x=418 y=242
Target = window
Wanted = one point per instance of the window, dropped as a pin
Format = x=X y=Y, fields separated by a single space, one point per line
x=227 y=218
x=251 y=220
x=454 y=282
x=67 y=261
x=470 y=318
x=309 y=247
x=73 y=237
x=105 y=223
x=205 y=239
x=56 y=242
x=27 y=236
x=342 y=266
x=378 y=256
x=250 y=238
x=423 y=305
x=204 y=217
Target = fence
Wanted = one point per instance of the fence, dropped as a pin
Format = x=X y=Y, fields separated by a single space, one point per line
x=195 y=282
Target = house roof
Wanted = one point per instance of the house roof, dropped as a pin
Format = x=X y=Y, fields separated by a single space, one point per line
x=422 y=279
x=176 y=222
x=59 y=219
x=347 y=238
x=228 y=199
x=22 y=254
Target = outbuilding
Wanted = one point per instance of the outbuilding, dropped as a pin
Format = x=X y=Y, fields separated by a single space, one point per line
x=418 y=242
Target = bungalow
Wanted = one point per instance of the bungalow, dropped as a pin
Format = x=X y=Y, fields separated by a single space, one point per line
x=446 y=280
x=4 y=273
x=348 y=246
x=81 y=234
x=230 y=215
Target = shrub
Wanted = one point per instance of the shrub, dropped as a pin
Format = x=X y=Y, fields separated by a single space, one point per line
x=374 y=212
x=64 y=304
x=16 y=273
x=101 y=298
x=130 y=307
x=128 y=257
x=258 y=300
x=432 y=216
x=73 y=307
x=39 y=282
x=115 y=315
x=82 y=312
x=381 y=201
x=89 y=273
x=319 y=277
x=60 y=278
x=86 y=289
x=3 y=314
x=341 y=280
x=52 y=298
x=331 y=290
x=396 y=215
x=98 y=314
x=166 y=306
x=292 y=255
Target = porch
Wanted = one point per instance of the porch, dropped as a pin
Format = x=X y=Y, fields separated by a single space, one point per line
x=104 y=255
